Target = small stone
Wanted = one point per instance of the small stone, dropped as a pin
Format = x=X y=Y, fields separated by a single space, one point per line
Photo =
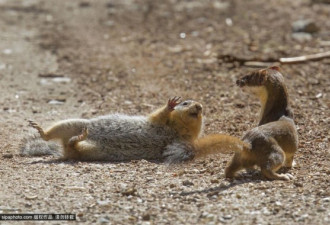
x=306 y=26
x=176 y=49
x=326 y=199
x=31 y=197
x=129 y=192
x=56 y=102
x=321 y=210
x=187 y=183
x=227 y=217
x=109 y=23
x=104 y=220
x=297 y=184
x=103 y=203
x=7 y=156
x=84 y=4
x=278 y=203
x=303 y=217
x=146 y=217
x=7 y=51
x=214 y=181
x=319 y=95
x=239 y=105
x=302 y=37
x=28 y=205
x=61 y=79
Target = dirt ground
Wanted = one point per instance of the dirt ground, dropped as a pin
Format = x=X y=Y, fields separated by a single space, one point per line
x=63 y=59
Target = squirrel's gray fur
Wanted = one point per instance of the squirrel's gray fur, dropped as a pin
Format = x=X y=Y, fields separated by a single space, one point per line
x=117 y=137
x=33 y=145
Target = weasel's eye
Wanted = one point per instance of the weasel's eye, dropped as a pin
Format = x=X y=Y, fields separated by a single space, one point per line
x=185 y=103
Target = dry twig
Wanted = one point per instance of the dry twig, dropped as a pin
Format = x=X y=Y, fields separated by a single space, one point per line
x=305 y=58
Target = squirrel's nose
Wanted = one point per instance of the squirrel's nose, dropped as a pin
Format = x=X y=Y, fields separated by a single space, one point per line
x=199 y=107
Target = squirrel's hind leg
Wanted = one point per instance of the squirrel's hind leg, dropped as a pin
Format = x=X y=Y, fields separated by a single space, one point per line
x=41 y=131
x=70 y=148
x=62 y=130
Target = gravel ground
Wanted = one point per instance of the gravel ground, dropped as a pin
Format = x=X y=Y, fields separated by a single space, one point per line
x=63 y=59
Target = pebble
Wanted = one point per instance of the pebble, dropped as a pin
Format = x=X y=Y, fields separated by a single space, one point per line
x=104 y=220
x=187 y=183
x=75 y=188
x=215 y=181
x=7 y=156
x=146 y=217
x=326 y=199
x=103 y=203
x=62 y=79
x=302 y=37
x=109 y=23
x=31 y=197
x=176 y=49
x=128 y=192
x=306 y=26
x=28 y=205
x=84 y=4
x=7 y=51
x=56 y=102
x=227 y=217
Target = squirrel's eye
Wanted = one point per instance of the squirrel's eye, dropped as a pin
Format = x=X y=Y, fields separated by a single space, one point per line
x=185 y=103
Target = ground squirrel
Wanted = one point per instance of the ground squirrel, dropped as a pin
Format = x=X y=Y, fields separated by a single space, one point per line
x=273 y=143
x=171 y=133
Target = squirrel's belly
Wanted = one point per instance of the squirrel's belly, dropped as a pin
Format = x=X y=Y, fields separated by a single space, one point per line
x=122 y=137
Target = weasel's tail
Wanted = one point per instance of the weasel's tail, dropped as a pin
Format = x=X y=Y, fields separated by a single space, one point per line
x=219 y=143
x=33 y=145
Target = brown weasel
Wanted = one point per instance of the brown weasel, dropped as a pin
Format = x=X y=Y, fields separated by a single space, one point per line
x=275 y=140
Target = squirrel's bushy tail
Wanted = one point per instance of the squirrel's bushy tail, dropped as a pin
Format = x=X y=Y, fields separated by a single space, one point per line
x=219 y=143
x=33 y=145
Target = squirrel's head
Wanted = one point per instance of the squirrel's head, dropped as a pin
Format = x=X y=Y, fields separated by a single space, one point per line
x=187 y=119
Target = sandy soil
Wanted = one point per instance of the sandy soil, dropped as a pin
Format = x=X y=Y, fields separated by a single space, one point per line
x=62 y=59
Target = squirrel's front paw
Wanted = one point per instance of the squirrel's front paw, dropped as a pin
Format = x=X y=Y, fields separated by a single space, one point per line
x=172 y=102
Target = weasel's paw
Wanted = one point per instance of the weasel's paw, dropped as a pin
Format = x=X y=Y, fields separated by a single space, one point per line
x=287 y=176
x=172 y=102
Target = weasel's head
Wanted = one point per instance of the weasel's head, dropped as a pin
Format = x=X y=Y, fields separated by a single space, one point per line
x=262 y=81
x=188 y=119
x=268 y=85
x=262 y=77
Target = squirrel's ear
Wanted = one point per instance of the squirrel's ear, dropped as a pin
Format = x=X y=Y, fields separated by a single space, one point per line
x=277 y=68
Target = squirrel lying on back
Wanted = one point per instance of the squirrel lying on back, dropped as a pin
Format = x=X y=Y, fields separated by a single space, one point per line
x=171 y=133
x=273 y=143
